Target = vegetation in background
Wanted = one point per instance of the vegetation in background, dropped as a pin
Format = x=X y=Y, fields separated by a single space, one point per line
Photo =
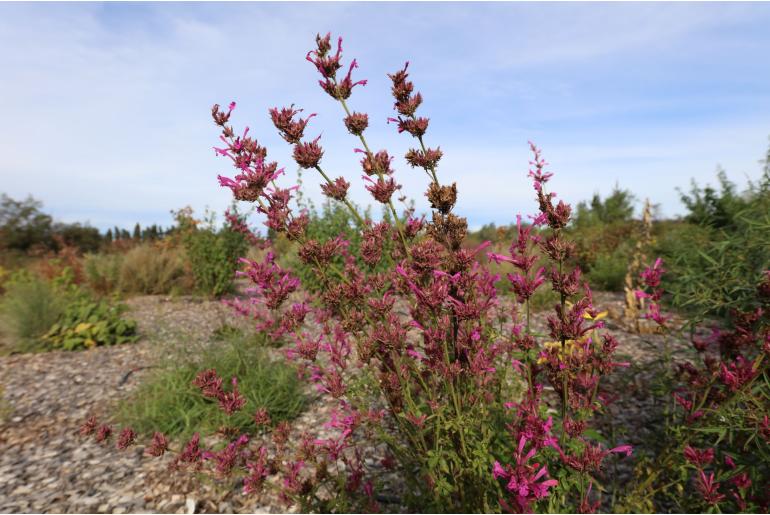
x=87 y=323
x=145 y=269
x=719 y=257
x=43 y=314
x=213 y=253
x=605 y=232
x=102 y=271
x=168 y=402
x=30 y=306
x=24 y=227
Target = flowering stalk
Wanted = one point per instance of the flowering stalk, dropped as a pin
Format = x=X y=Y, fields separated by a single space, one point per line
x=411 y=354
x=328 y=65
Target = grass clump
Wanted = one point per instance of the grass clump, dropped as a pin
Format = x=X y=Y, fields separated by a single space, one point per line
x=29 y=307
x=168 y=402
x=148 y=269
x=102 y=272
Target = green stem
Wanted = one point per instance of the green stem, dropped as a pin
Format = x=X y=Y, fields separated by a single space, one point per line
x=350 y=206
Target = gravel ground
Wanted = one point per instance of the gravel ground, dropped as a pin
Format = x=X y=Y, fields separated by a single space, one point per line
x=46 y=467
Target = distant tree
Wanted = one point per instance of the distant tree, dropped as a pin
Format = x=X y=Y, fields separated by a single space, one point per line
x=137 y=232
x=23 y=225
x=82 y=236
x=108 y=236
x=709 y=206
x=617 y=207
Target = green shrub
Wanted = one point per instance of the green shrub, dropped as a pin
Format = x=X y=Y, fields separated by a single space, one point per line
x=168 y=402
x=102 y=272
x=152 y=270
x=714 y=267
x=609 y=271
x=334 y=220
x=214 y=257
x=87 y=323
x=30 y=306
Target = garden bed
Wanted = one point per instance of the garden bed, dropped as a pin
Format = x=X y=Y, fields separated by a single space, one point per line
x=45 y=466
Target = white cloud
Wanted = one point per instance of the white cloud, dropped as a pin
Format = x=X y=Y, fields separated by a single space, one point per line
x=105 y=107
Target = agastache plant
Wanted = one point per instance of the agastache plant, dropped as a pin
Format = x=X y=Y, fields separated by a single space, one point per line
x=719 y=432
x=475 y=415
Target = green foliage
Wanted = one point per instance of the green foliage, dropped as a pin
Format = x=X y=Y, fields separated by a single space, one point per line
x=604 y=233
x=609 y=270
x=213 y=255
x=88 y=323
x=23 y=225
x=168 y=402
x=617 y=207
x=714 y=208
x=145 y=269
x=102 y=272
x=543 y=299
x=81 y=236
x=30 y=306
x=5 y=407
x=716 y=265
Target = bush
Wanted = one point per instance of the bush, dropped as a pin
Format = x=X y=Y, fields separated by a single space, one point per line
x=102 y=272
x=477 y=411
x=716 y=433
x=30 y=306
x=168 y=402
x=88 y=323
x=416 y=353
x=214 y=258
x=605 y=233
x=150 y=270
x=609 y=270
x=23 y=226
x=715 y=266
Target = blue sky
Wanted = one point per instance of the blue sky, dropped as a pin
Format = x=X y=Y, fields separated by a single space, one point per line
x=105 y=107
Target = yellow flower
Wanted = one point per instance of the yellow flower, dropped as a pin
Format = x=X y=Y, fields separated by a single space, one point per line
x=598 y=316
x=569 y=347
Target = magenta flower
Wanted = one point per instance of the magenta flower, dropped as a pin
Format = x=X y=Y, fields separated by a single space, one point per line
x=232 y=401
x=697 y=457
x=709 y=488
x=257 y=473
x=158 y=445
x=523 y=478
x=126 y=438
x=89 y=426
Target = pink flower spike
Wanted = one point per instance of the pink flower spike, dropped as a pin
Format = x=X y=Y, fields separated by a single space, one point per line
x=623 y=449
x=498 y=471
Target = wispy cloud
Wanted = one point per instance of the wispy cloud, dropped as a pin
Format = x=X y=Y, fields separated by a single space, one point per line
x=105 y=106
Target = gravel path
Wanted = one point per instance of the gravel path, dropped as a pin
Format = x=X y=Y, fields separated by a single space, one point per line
x=46 y=467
